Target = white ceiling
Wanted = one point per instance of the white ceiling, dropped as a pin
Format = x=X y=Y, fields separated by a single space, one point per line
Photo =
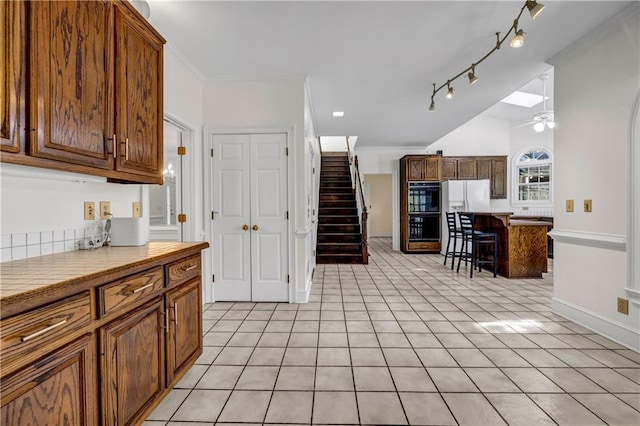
x=377 y=60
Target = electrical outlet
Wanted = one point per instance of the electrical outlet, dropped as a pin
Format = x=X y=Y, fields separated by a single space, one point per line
x=105 y=209
x=137 y=211
x=623 y=306
x=569 y=206
x=587 y=206
x=89 y=210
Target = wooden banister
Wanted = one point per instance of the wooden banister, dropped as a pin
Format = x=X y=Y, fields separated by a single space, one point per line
x=364 y=214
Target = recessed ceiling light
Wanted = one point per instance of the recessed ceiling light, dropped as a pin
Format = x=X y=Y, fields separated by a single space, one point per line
x=523 y=99
x=338 y=113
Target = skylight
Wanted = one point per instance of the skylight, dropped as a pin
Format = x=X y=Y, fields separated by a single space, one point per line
x=523 y=99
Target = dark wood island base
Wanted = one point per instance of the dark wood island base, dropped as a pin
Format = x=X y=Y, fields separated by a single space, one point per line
x=522 y=244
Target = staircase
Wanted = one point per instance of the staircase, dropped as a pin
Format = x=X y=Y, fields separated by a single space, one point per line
x=339 y=235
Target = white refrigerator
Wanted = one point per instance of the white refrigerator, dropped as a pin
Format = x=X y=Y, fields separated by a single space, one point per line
x=462 y=196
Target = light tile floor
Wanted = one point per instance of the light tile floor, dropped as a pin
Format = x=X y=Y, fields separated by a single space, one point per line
x=404 y=340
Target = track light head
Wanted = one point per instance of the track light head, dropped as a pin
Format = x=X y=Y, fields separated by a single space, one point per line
x=472 y=74
x=534 y=8
x=432 y=107
x=449 y=94
x=518 y=40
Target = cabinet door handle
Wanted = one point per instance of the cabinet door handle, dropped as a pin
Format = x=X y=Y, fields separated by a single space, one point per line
x=175 y=313
x=139 y=289
x=44 y=330
x=166 y=320
x=126 y=149
x=115 y=146
x=190 y=268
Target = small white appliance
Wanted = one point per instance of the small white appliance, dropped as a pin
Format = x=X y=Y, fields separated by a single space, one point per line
x=463 y=196
x=128 y=231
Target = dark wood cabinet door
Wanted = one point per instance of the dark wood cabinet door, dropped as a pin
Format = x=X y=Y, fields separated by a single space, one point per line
x=449 y=168
x=432 y=169
x=132 y=373
x=59 y=389
x=69 y=81
x=484 y=168
x=184 y=342
x=12 y=75
x=138 y=83
x=415 y=169
x=467 y=168
x=499 y=178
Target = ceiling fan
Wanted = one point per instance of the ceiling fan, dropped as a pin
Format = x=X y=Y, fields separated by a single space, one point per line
x=543 y=119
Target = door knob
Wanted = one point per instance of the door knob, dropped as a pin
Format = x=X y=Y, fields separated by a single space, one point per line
x=254 y=227
x=245 y=227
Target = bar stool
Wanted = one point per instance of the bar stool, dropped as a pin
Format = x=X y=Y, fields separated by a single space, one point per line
x=476 y=240
x=455 y=233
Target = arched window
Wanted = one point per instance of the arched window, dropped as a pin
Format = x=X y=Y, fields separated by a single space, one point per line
x=533 y=176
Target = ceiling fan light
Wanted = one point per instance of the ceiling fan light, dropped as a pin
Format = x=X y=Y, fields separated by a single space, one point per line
x=534 y=8
x=518 y=40
x=539 y=126
x=551 y=124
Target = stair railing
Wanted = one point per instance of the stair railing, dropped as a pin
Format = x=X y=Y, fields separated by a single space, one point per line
x=360 y=202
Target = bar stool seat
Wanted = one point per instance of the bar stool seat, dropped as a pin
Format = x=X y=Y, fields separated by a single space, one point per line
x=474 y=244
x=455 y=233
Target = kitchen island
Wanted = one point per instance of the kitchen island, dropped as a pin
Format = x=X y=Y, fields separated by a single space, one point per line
x=522 y=244
x=100 y=336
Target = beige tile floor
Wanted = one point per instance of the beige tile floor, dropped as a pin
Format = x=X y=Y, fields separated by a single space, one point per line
x=404 y=340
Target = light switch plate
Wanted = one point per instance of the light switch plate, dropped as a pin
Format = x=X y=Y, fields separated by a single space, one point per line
x=569 y=206
x=587 y=206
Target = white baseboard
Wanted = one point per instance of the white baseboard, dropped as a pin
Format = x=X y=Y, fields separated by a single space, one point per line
x=617 y=332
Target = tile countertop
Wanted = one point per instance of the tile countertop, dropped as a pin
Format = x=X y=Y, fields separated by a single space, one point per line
x=22 y=280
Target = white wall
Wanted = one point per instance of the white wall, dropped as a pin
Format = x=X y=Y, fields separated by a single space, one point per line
x=482 y=135
x=596 y=82
x=261 y=105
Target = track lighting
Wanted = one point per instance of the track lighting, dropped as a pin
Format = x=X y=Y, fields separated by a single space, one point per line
x=517 y=41
x=472 y=74
x=450 y=91
x=534 y=8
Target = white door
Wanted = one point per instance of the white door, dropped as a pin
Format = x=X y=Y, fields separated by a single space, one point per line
x=250 y=217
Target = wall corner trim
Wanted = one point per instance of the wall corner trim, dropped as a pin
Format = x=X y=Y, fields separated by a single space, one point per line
x=589 y=239
x=607 y=327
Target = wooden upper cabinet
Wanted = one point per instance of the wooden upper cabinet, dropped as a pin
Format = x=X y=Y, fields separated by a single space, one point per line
x=12 y=75
x=449 y=168
x=138 y=82
x=484 y=168
x=69 y=89
x=499 y=177
x=467 y=169
x=432 y=168
x=415 y=168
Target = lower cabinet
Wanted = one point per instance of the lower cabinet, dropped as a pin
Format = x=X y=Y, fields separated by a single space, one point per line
x=59 y=389
x=132 y=364
x=108 y=354
x=184 y=339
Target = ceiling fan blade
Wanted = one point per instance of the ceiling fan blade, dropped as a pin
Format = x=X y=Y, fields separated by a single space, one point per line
x=526 y=123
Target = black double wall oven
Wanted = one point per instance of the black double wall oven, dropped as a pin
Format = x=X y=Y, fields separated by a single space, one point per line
x=424 y=211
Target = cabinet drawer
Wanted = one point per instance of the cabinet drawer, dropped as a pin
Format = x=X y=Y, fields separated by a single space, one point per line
x=27 y=336
x=116 y=295
x=183 y=270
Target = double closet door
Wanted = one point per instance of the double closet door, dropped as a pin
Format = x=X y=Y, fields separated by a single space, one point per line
x=250 y=238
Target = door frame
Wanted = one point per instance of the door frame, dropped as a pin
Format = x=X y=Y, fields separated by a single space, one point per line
x=208 y=199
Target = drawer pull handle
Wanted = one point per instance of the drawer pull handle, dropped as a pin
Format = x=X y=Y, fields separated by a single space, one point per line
x=190 y=268
x=166 y=320
x=139 y=289
x=44 y=330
